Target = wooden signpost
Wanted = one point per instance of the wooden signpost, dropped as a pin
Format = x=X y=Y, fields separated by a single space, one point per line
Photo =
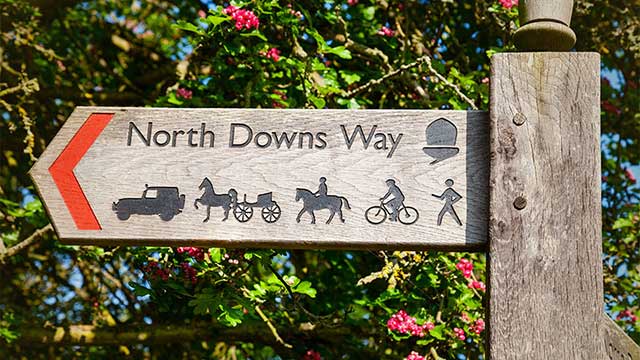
x=336 y=179
x=521 y=183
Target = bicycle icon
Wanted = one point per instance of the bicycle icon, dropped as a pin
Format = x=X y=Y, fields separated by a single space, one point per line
x=377 y=214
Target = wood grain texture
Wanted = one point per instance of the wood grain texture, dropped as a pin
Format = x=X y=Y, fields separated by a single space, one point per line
x=544 y=265
x=112 y=170
x=618 y=344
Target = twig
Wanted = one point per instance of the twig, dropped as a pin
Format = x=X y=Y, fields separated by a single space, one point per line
x=421 y=60
x=271 y=327
x=295 y=300
x=378 y=81
x=455 y=88
x=435 y=354
x=25 y=243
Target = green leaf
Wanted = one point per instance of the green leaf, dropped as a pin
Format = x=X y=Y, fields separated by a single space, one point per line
x=305 y=287
x=140 y=290
x=339 y=51
x=622 y=223
x=216 y=255
x=437 y=332
x=216 y=20
x=319 y=103
x=369 y=13
x=350 y=77
x=254 y=33
x=187 y=26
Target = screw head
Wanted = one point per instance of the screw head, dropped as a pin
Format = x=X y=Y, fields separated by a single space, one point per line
x=520 y=202
x=519 y=119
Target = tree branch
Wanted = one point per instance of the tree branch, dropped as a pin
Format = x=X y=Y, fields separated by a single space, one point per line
x=84 y=335
x=421 y=60
x=25 y=243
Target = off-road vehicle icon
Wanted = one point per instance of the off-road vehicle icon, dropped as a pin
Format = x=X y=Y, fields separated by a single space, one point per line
x=165 y=201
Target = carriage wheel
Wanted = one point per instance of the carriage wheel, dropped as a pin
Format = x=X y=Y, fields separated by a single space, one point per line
x=271 y=213
x=243 y=213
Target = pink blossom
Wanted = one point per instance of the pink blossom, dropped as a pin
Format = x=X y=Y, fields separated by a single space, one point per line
x=459 y=333
x=477 y=327
x=245 y=19
x=405 y=324
x=194 y=252
x=485 y=80
x=508 y=3
x=465 y=317
x=184 y=93
x=189 y=272
x=466 y=266
x=311 y=355
x=273 y=54
x=628 y=315
x=415 y=356
x=154 y=271
x=385 y=31
x=477 y=285
x=630 y=175
x=202 y=13
x=352 y=2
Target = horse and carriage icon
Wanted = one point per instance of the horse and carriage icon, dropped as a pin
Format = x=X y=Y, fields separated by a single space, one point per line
x=242 y=211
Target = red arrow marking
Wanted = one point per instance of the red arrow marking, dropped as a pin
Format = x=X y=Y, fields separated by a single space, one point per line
x=62 y=171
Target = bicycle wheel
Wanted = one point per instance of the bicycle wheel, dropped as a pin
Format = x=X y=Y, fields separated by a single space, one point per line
x=408 y=215
x=375 y=215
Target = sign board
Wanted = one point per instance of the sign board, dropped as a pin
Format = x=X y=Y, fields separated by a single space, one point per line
x=269 y=178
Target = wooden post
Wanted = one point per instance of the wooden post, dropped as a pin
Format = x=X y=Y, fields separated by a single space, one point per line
x=544 y=264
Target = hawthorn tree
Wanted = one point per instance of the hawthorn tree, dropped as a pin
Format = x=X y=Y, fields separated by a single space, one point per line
x=60 y=301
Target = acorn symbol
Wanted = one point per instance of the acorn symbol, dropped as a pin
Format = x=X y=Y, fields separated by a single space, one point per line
x=441 y=137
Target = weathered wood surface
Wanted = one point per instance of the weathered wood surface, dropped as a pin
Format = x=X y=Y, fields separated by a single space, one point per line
x=544 y=264
x=111 y=170
x=618 y=344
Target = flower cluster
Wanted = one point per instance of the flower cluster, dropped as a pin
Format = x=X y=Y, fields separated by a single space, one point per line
x=194 y=252
x=459 y=333
x=479 y=285
x=231 y=260
x=273 y=54
x=477 y=327
x=184 y=93
x=415 y=356
x=295 y=13
x=189 y=272
x=405 y=324
x=245 y=19
x=154 y=271
x=466 y=266
x=385 y=31
x=508 y=3
x=311 y=355
x=631 y=317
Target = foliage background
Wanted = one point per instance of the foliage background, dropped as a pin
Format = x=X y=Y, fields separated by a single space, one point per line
x=165 y=303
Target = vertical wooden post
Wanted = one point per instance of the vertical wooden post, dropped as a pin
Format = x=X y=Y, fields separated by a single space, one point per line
x=545 y=269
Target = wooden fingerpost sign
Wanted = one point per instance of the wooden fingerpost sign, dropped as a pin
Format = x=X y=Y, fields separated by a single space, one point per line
x=340 y=179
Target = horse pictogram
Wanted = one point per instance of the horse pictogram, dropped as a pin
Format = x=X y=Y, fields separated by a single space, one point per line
x=312 y=202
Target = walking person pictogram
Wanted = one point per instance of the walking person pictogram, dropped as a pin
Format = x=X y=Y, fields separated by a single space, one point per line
x=450 y=197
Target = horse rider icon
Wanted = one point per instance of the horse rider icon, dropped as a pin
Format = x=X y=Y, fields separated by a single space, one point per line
x=322 y=189
x=450 y=197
